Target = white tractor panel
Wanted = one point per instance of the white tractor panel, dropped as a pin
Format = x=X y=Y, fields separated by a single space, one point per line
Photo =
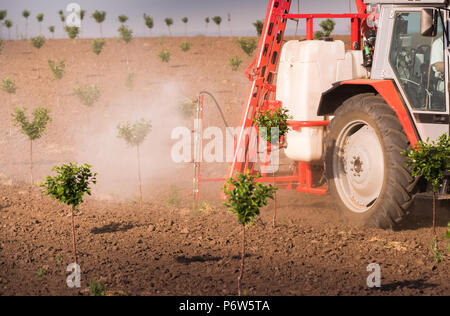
x=306 y=70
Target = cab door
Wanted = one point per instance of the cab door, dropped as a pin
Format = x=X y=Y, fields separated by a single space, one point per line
x=419 y=66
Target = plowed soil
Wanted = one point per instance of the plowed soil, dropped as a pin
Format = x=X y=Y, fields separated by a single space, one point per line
x=167 y=248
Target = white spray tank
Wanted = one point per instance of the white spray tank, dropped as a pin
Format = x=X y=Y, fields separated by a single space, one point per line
x=306 y=70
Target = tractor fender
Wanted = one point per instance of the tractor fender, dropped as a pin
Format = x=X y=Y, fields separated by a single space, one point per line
x=341 y=91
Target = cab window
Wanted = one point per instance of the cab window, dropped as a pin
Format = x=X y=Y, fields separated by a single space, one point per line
x=418 y=63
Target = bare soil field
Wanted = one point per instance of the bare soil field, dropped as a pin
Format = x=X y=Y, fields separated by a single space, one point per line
x=167 y=248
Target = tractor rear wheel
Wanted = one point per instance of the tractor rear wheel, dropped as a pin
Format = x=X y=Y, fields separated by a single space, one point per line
x=366 y=172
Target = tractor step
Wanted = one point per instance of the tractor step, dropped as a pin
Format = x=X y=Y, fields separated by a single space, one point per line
x=429 y=196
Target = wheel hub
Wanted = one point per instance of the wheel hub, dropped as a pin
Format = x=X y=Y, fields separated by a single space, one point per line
x=360 y=162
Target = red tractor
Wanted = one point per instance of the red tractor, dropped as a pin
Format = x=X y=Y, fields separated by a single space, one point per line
x=354 y=111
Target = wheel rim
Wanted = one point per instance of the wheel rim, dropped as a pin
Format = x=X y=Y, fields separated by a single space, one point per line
x=358 y=166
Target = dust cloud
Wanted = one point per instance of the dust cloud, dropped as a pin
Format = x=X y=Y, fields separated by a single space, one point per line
x=96 y=143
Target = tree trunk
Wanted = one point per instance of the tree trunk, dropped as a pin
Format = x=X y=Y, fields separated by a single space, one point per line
x=10 y=122
x=434 y=216
x=241 y=274
x=139 y=178
x=57 y=95
x=101 y=31
x=74 y=244
x=274 y=220
x=31 y=161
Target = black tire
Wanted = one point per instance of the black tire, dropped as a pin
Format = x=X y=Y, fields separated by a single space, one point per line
x=395 y=190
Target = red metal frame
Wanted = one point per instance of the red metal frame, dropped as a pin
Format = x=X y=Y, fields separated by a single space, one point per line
x=261 y=95
x=355 y=18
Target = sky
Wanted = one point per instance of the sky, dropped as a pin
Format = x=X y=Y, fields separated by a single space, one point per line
x=243 y=14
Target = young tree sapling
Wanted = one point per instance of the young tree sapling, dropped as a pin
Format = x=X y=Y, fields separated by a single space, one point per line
x=164 y=55
x=81 y=14
x=149 y=22
x=99 y=17
x=185 y=20
x=247 y=45
x=207 y=20
x=87 y=95
x=40 y=18
x=430 y=160
x=245 y=199
x=97 y=46
x=3 y=14
x=58 y=69
x=235 y=63
x=69 y=186
x=259 y=25
x=185 y=46
x=217 y=20
x=62 y=19
x=266 y=121
x=34 y=130
x=327 y=28
x=37 y=43
x=72 y=31
x=134 y=135
x=26 y=15
x=127 y=35
x=51 y=29
x=9 y=86
x=169 y=22
x=122 y=18
x=9 y=24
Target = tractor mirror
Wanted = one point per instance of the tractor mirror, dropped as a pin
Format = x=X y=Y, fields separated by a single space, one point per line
x=428 y=22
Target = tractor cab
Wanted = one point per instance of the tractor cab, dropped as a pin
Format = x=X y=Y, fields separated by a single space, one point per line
x=411 y=50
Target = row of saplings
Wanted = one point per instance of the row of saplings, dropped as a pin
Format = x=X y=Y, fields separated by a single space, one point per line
x=126 y=35
x=244 y=194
